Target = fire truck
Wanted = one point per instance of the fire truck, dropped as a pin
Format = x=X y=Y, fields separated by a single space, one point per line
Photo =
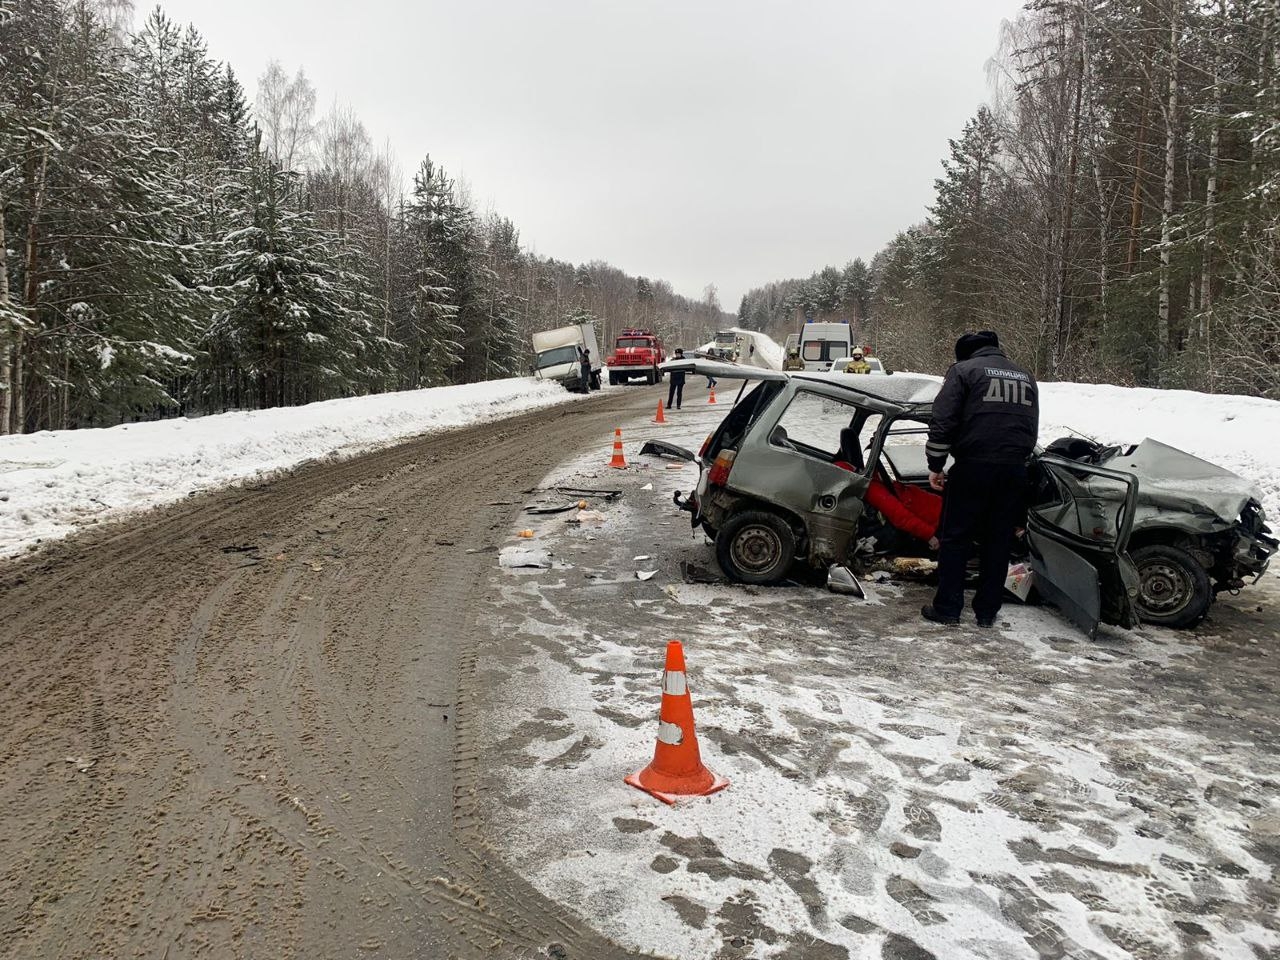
x=637 y=353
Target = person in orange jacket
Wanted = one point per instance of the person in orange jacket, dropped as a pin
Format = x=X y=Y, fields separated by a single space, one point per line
x=914 y=511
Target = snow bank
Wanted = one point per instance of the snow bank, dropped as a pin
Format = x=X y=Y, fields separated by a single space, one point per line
x=1230 y=431
x=767 y=353
x=53 y=483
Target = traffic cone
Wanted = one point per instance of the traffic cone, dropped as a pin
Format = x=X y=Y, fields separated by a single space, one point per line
x=659 y=418
x=676 y=770
x=618 y=461
x=712 y=398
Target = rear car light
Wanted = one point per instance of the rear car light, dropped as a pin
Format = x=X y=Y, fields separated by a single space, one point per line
x=719 y=474
x=706 y=445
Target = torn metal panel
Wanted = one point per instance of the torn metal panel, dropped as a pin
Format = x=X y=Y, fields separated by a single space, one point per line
x=660 y=448
x=1174 y=481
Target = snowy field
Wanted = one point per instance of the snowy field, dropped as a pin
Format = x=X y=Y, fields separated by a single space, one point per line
x=54 y=482
x=899 y=790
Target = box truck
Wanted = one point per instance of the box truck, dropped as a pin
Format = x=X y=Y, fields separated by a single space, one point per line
x=557 y=356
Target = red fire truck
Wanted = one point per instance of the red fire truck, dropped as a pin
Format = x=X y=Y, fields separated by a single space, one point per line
x=637 y=353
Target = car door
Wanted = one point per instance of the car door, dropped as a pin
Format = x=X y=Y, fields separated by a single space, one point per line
x=1078 y=522
x=789 y=457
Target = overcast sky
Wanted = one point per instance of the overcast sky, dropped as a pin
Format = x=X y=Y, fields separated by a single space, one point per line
x=702 y=141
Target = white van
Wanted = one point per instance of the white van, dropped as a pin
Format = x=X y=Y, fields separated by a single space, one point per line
x=823 y=343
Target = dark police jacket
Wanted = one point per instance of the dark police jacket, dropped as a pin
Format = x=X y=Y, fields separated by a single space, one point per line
x=988 y=411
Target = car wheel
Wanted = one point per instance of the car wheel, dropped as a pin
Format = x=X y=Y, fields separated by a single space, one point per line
x=756 y=546
x=613 y=380
x=1173 y=588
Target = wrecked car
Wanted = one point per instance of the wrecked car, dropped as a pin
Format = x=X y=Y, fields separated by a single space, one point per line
x=1113 y=534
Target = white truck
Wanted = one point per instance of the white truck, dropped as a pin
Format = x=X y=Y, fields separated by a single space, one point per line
x=557 y=356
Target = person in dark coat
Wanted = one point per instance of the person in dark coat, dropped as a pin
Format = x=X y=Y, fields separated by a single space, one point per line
x=986 y=418
x=584 y=360
x=675 y=392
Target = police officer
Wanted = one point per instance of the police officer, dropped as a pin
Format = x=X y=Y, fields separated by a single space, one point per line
x=676 y=391
x=986 y=418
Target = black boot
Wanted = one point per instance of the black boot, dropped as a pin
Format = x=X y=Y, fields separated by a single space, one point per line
x=933 y=616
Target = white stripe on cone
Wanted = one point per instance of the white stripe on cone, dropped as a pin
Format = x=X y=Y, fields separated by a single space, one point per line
x=673 y=683
x=670 y=733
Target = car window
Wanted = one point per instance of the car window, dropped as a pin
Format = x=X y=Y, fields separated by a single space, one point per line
x=814 y=422
x=816 y=350
x=746 y=412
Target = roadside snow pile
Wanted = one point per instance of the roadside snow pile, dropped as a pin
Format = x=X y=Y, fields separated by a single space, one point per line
x=1224 y=429
x=767 y=353
x=52 y=483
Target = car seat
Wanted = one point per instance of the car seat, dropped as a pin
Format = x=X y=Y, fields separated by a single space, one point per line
x=851 y=450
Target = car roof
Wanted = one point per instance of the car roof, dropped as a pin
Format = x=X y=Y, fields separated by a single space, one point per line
x=901 y=389
x=907 y=389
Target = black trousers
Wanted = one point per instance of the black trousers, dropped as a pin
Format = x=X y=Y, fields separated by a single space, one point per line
x=675 y=392
x=982 y=505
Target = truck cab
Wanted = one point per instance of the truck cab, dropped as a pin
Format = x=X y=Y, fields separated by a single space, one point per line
x=636 y=353
x=728 y=346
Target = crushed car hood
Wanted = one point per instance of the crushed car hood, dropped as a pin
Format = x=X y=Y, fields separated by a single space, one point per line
x=1172 y=480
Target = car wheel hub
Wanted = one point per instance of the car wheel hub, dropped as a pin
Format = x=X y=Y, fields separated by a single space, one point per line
x=756 y=549
x=1165 y=588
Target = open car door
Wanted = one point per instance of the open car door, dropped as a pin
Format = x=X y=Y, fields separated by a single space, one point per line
x=1078 y=525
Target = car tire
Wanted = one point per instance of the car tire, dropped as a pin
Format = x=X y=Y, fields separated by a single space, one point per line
x=1173 y=588
x=613 y=380
x=595 y=381
x=756 y=547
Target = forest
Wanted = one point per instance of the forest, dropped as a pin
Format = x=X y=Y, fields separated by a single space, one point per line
x=1113 y=212
x=168 y=248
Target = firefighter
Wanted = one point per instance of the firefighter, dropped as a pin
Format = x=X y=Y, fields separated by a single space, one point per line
x=986 y=418
x=857 y=364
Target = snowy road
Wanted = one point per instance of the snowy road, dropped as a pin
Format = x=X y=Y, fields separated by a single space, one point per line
x=315 y=716
x=234 y=727
x=899 y=790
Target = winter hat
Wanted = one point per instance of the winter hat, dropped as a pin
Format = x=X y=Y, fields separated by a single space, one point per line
x=971 y=343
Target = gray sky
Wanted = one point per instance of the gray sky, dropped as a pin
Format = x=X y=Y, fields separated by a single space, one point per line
x=702 y=141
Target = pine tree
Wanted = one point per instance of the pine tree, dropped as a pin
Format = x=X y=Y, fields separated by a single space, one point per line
x=960 y=216
x=99 y=280
x=298 y=323
x=439 y=235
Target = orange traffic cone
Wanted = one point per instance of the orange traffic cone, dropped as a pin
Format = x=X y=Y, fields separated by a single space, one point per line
x=712 y=398
x=618 y=461
x=676 y=770
x=659 y=418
